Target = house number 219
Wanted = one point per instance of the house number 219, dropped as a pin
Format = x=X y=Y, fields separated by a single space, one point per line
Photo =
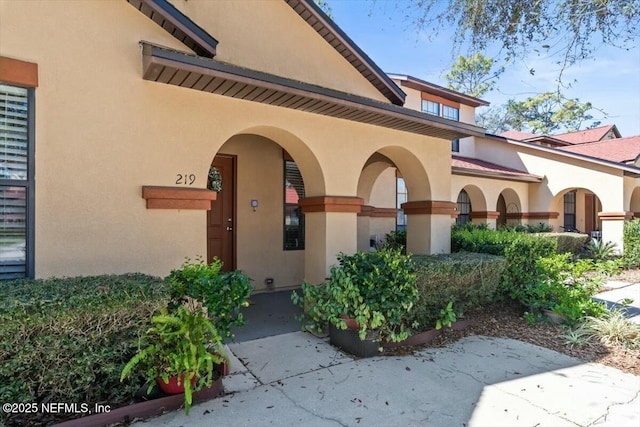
x=185 y=179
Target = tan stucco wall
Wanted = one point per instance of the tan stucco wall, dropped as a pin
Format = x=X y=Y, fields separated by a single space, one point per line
x=490 y=190
x=266 y=35
x=259 y=233
x=102 y=132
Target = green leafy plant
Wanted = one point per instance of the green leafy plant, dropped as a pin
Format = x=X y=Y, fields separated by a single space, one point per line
x=223 y=294
x=600 y=250
x=376 y=289
x=576 y=337
x=395 y=240
x=185 y=345
x=447 y=316
x=614 y=329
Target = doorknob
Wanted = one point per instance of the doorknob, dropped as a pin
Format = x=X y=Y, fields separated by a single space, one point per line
x=229 y=228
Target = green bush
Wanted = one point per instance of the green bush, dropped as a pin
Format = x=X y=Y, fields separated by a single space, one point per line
x=568 y=242
x=481 y=239
x=223 y=294
x=377 y=289
x=522 y=273
x=631 y=239
x=467 y=279
x=67 y=339
x=395 y=240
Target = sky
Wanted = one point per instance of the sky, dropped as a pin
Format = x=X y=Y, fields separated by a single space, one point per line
x=611 y=81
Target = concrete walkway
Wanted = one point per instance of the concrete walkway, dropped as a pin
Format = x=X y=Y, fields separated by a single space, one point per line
x=297 y=379
x=623 y=295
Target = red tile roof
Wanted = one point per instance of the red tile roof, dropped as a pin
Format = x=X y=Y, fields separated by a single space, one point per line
x=588 y=135
x=620 y=150
x=517 y=135
x=477 y=165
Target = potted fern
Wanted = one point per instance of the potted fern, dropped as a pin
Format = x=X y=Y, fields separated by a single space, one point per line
x=182 y=352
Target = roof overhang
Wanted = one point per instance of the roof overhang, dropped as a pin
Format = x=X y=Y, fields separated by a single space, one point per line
x=425 y=86
x=627 y=170
x=323 y=25
x=495 y=175
x=178 y=25
x=208 y=75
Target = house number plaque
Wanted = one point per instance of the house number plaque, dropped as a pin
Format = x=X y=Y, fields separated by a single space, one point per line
x=185 y=179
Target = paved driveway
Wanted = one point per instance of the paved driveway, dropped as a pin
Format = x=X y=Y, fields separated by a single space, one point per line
x=297 y=380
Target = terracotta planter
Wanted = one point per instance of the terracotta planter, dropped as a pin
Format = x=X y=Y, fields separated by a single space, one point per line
x=150 y=408
x=428 y=335
x=173 y=386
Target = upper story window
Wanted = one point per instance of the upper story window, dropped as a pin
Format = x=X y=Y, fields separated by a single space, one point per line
x=430 y=107
x=451 y=113
x=455 y=145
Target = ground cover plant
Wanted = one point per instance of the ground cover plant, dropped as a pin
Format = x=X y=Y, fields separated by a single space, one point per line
x=67 y=339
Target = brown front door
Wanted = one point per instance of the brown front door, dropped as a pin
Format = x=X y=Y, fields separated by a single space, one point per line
x=221 y=217
x=589 y=213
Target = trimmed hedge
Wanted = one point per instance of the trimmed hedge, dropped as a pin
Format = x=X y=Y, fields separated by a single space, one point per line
x=67 y=339
x=568 y=242
x=631 y=239
x=468 y=279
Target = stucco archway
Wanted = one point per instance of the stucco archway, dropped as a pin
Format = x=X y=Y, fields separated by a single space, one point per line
x=509 y=207
x=634 y=203
x=577 y=210
x=391 y=177
x=272 y=170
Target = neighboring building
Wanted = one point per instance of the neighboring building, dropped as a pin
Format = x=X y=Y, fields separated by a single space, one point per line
x=585 y=180
x=113 y=113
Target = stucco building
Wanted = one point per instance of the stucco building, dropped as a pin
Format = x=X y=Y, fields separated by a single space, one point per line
x=117 y=118
x=113 y=113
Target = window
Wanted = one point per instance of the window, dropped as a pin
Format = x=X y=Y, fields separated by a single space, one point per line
x=455 y=145
x=293 y=216
x=16 y=182
x=570 y=211
x=450 y=113
x=464 y=208
x=401 y=197
x=430 y=107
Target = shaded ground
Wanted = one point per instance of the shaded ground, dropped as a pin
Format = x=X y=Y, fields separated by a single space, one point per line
x=505 y=320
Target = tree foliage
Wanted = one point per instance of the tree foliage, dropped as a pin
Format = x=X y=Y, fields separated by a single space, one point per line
x=473 y=75
x=548 y=113
x=569 y=29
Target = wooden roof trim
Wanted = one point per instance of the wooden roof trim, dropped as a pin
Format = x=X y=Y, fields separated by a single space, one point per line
x=190 y=34
x=155 y=57
x=329 y=30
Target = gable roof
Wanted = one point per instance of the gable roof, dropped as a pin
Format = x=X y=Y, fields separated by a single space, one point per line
x=425 y=86
x=476 y=167
x=588 y=135
x=178 y=25
x=323 y=25
x=621 y=150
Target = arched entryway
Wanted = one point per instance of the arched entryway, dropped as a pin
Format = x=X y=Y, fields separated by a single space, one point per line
x=471 y=206
x=397 y=196
x=256 y=224
x=508 y=208
x=577 y=210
